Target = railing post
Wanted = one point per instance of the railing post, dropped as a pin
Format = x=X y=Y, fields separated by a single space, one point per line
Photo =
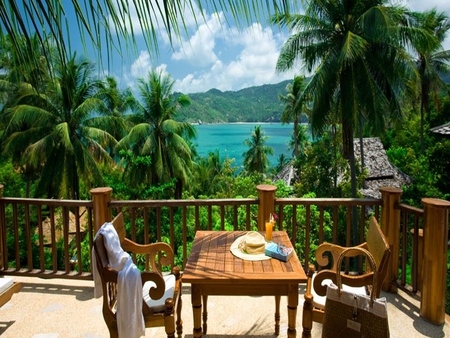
x=390 y=225
x=435 y=241
x=100 y=199
x=266 y=195
x=2 y=230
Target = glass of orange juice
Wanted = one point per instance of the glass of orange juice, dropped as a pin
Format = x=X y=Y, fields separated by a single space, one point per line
x=269 y=228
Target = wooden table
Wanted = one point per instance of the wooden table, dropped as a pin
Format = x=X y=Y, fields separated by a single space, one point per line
x=212 y=269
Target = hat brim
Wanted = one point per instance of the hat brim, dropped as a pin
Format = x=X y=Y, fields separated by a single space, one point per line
x=238 y=253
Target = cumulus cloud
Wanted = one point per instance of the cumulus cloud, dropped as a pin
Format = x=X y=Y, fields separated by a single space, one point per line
x=217 y=56
x=199 y=49
x=420 y=5
x=253 y=65
x=140 y=69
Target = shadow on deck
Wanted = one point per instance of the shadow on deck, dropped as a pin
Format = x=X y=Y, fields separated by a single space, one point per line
x=57 y=308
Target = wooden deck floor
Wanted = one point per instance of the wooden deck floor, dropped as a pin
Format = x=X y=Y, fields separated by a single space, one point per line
x=65 y=308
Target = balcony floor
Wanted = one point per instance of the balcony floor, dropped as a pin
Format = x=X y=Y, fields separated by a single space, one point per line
x=59 y=308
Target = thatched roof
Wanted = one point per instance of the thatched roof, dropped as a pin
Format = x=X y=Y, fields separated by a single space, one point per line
x=444 y=129
x=288 y=174
x=381 y=172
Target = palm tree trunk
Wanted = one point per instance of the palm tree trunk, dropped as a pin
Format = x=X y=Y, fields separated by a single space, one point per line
x=361 y=145
x=349 y=152
x=422 y=122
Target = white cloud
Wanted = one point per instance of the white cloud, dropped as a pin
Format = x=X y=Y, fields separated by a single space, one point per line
x=141 y=65
x=140 y=69
x=199 y=50
x=254 y=65
x=421 y=5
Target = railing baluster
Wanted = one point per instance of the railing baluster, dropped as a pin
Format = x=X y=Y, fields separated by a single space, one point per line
x=53 y=239
x=79 y=239
x=335 y=223
x=67 y=257
x=404 y=245
x=41 y=239
x=209 y=217
x=235 y=217
x=247 y=221
x=16 y=237
x=28 y=237
x=307 y=233
x=172 y=228
x=184 y=237
x=321 y=225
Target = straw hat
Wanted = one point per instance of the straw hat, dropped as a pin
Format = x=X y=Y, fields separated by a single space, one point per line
x=250 y=247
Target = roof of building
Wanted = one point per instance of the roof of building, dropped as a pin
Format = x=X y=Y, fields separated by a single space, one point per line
x=381 y=172
x=444 y=129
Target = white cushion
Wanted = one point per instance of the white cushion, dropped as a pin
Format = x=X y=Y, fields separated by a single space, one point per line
x=5 y=283
x=159 y=304
x=319 y=301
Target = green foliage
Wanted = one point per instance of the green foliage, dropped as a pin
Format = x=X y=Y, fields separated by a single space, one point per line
x=13 y=182
x=319 y=170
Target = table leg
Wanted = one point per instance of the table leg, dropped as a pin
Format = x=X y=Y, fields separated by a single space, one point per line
x=277 y=314
x=205 y=313
x=292 y=310
x=196 y=300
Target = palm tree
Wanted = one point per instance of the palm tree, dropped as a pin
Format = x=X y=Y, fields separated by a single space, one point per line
x=14 y=76
x=432 y=61
x=118 y=103
x=156 y=133
x=294 y=106
x=256 y=157
x=358 y=62
x=61 y=130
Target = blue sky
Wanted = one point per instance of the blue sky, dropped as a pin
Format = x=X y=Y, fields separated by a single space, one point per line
x=218 y=56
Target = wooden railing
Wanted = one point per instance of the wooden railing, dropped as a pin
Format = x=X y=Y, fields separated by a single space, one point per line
x=53 y=238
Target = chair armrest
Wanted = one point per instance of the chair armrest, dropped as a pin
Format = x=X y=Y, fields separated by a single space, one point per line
x=335 y=250
x=157 y=291
x=154 y=250
x=350 y=280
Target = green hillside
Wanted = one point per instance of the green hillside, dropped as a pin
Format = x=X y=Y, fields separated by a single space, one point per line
x=253 y=104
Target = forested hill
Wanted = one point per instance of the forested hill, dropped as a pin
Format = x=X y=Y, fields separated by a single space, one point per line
x=253 y=104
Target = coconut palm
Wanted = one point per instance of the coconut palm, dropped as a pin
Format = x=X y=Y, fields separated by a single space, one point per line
x=256 y=157
x=360 y=67
x=432 y=61
x=118 y=104
x=61 y=130
x=294 y=106
x=156 y=133
x=15 y=76
x=358 y=64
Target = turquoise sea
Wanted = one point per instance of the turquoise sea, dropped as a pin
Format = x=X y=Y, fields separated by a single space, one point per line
x=229 y=139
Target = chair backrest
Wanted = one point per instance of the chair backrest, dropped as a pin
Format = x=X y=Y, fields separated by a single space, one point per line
x=379 y=248
x=119 y=225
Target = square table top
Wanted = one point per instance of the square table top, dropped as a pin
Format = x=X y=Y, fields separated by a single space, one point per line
x=211 y=260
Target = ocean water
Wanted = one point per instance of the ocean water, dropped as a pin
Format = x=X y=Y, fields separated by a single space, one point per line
x=229 y=139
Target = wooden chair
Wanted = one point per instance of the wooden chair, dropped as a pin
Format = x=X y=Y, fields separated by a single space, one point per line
x=314 y=305
x=162 y=312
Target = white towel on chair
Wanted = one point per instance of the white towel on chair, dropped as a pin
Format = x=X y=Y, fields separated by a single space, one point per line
x=130 y=321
